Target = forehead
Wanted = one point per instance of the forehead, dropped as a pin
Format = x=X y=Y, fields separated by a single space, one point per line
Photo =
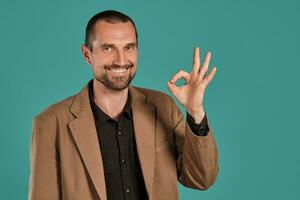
x=114 y=33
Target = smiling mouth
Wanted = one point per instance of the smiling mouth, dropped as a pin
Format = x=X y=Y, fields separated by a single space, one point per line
x=118 y=71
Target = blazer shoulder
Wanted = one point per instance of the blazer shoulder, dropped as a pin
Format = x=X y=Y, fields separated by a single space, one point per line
x=153 y=96
x=59 y=108
x=164 y=104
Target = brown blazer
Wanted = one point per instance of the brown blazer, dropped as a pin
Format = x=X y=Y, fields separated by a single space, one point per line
x=65 y=158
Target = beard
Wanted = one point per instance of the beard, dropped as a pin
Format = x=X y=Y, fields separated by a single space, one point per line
x=116 y=83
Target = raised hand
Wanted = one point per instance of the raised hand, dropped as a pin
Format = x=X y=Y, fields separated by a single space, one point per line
x=190 y=95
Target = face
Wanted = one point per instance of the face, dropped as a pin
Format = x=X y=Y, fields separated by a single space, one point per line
x=114 y=54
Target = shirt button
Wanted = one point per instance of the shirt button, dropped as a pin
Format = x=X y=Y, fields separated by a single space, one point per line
x=128 y=190
x=119 y=133
x=123 y=161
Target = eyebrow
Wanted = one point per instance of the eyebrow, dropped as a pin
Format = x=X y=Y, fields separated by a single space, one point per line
x=112 y=45
x=106 y=45
x=131 y=44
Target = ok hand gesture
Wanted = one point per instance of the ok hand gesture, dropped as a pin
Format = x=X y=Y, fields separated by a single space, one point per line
x=190 y=95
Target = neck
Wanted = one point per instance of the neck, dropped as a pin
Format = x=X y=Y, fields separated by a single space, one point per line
x=110 y=101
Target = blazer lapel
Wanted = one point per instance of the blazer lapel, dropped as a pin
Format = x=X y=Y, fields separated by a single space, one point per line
x=84 y=132
x=144 y=128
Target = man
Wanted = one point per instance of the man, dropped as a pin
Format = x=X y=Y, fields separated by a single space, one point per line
x=116 y=141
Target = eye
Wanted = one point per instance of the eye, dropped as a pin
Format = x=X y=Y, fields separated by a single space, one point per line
x=107 y=49
x=129 y=48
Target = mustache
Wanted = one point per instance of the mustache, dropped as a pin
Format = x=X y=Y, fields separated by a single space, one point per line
x=114 y=66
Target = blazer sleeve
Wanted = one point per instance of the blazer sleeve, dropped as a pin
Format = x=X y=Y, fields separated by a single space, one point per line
x=196 y=156
x=44 y=181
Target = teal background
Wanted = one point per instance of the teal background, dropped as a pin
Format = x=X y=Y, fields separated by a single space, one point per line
x=252 y=103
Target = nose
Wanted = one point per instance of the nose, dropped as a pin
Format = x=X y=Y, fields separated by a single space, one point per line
x=120 y=58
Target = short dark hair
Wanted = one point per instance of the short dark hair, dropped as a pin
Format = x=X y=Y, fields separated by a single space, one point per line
x=110 y=16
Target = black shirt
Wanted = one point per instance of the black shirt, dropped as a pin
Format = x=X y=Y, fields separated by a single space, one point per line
x=122 y=171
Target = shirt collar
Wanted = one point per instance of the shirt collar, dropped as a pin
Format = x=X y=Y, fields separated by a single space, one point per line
x=99 y=114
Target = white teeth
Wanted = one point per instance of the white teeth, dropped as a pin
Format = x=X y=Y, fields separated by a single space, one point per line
x=118 y=70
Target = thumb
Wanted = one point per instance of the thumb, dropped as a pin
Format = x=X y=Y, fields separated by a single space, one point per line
x=172 y=87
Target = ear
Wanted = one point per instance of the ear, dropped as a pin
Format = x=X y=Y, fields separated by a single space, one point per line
x=86 y=54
